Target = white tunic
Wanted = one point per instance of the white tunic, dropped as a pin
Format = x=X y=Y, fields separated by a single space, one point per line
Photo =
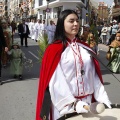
x=65 y=84
x=37 y=30
x=43 y=29
x=33 y=31
x=51 y=32
x=30 y=24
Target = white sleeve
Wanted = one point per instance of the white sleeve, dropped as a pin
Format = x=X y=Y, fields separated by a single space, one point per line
x=59 y=90
x=99 y=90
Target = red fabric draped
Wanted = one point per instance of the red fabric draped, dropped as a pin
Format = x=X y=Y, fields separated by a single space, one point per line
x=50 y=61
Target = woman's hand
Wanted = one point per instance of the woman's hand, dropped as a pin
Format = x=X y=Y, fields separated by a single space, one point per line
x=80 y=107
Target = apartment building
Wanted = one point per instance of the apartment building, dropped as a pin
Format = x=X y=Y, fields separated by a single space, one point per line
x=50 y=9
x=1 y=8
x=115 y=10
x=20 y=9
x=102 y=12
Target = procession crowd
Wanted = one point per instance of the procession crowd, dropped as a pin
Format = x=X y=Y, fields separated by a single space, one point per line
x=107 y=34
x=14 y=54
x=70 y=73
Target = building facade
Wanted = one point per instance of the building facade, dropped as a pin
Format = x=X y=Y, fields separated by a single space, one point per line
x=103 y=12
x=1 y=8
x=115 y=10
x=4 y=8
x=51 y=10
x=46 y=9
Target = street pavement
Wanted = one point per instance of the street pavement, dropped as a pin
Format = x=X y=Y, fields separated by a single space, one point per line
x=18 y=98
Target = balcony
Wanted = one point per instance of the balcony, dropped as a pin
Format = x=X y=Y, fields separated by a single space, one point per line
x=59 y=2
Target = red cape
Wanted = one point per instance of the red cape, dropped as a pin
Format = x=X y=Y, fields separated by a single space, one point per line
x=50 y=61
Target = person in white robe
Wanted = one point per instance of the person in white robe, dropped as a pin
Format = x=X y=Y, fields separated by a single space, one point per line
x=37 y=30
x=31 y=24
x=68 y=85
x=51 y=31
x=33 y=30
x=43 y=28
x=75 y=80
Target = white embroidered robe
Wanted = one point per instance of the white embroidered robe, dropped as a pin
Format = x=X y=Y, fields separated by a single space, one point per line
x=65 y=84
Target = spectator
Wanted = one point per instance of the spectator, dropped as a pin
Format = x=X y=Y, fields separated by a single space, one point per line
x=114 y=50
x=13 y=25
x=23 y=31
x=92 y=43
x=8 y=39
x=114 y=30
x=2 y=44
x=104 y=34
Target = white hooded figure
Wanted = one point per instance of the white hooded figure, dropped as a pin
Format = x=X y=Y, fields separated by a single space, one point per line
x=31 y=24
x=33 y=30
x=43 y=29
x=51 y=31
x=37 y=29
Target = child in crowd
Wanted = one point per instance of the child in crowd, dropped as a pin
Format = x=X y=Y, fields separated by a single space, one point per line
x=114 y=55
x=16 y=60
x=92 y=43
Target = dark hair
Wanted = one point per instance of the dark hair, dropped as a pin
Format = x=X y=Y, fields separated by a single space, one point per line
x=60 y=30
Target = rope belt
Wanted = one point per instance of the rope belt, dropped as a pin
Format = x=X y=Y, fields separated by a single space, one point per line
x=80 y=97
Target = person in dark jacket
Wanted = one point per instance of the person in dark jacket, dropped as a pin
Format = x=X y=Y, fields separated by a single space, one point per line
x=2 y=44
x=23 y=31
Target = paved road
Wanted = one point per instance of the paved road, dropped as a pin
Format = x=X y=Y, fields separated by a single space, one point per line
x=18 y=98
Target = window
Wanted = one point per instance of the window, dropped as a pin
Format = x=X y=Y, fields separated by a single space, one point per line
x=57 y=11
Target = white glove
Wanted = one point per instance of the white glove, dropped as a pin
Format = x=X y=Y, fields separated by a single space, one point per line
x=79 y=107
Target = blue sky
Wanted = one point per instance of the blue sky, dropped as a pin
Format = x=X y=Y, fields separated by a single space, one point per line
x=109 y=2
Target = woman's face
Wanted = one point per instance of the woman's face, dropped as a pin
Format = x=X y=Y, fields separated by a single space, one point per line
x=71 y=26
